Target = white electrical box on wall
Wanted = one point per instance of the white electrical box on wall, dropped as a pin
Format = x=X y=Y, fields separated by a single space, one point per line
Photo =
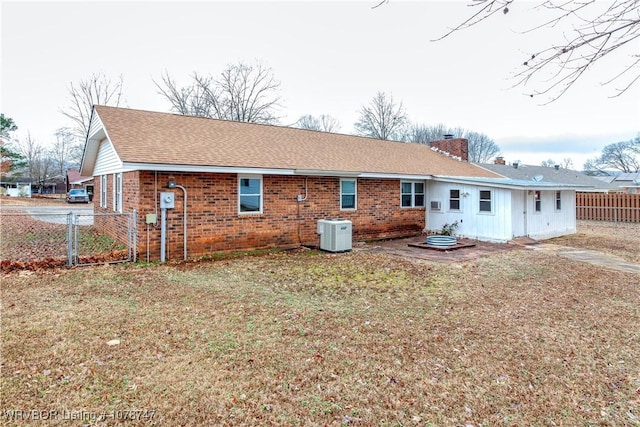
x=167 y=200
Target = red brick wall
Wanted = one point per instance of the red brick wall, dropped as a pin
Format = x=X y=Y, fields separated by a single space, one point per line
x=456 y=147
x=214 y=224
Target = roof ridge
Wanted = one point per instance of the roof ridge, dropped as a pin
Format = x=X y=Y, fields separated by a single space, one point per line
x=278 y=126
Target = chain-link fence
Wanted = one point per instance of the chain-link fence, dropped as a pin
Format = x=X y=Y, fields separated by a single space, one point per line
x=52 y=239
x=89 y=245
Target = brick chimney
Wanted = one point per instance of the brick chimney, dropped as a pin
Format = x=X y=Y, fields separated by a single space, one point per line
x=499 y=161
x=455 y=146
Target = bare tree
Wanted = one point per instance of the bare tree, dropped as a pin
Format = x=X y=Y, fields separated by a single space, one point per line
x=623 y=156
x=324 y=123
x=250 y=93
x=382 y=118
x=594 y=30
x=424 y=134
x=97 y=89
x=245 y=93
x=64 y=151
x=591 y=168
x=634 y=145
x=566 y=163
x=481 y=148
x=38 y=163
x=199 y=99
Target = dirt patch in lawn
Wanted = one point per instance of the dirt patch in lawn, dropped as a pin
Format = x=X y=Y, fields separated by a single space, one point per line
x=308 y=338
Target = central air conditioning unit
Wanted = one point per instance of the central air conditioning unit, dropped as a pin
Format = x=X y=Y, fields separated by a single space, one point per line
x=335 y=235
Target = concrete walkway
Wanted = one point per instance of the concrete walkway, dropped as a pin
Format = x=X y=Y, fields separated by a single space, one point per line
x=586 y=255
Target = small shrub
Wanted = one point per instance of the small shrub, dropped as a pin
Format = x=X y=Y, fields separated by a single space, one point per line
x=449 y=229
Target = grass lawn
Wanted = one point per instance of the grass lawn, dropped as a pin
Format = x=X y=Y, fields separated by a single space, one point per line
x=306 y=338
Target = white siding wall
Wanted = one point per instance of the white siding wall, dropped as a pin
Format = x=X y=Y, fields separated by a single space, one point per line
x=21 y=190
x=513 y=213
x=95 y=125
x=518 y=213
x=550 y=222
x=107 y=161
x=495 y=226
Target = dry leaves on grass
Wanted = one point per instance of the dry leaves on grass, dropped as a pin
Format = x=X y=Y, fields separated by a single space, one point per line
x=31 y=244
x=25 y=239
x=517 y=338
x=620 y=239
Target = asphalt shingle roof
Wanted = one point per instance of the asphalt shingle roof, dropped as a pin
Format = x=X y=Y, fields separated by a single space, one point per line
x=551 y=175
x=163 y=138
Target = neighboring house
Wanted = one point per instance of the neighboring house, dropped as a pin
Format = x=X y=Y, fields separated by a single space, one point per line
x=260 y=186
x=75 y=180
x=51 y=185
x=626 y=182
x=18 y=187
x=548 y=174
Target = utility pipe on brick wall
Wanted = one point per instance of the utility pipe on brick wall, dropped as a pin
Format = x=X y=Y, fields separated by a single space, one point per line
x=172 y=184
x=184 y=222
x=163 y=234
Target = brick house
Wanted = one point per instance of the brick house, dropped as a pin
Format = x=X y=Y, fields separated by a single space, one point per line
x=257 y=186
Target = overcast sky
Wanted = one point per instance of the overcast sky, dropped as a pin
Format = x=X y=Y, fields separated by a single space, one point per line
x=331 y=58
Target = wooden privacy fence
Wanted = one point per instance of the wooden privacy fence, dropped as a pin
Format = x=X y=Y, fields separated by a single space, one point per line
x=615 y=207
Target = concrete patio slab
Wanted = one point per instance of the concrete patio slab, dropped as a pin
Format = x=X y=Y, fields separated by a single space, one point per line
x=412 y=247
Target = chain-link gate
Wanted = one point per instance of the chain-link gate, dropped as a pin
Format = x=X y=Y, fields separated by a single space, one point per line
x=51 y=238
x=90 y=246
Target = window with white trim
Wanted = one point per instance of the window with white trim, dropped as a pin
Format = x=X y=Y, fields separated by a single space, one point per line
x=411 y=194
x=249 y=194
x=348 y=194
x=117 y=192
x=537 y=200
x=558 y=200
x=454 y=200
x=486 y=204
x=103 y=191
